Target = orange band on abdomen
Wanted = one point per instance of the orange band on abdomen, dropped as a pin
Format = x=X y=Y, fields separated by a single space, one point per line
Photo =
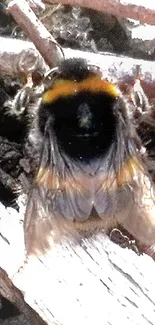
x=64 y=88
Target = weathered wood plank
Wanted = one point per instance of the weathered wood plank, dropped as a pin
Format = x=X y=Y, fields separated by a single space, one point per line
x=92 y=281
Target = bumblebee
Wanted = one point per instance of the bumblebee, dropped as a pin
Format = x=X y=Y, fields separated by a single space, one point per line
x=91 y=172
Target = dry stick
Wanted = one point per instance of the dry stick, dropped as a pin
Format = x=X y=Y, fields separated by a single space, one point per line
x=139 y=10
x=44 y=42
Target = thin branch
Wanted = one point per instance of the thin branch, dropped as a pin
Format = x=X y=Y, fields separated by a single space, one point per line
x=139 y=10
x=43 y=40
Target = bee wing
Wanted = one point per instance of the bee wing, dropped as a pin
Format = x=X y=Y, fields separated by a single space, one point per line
x=36 y=223
x=115 y=187
x=129 y=196
x=61 y=191
x=114 y=190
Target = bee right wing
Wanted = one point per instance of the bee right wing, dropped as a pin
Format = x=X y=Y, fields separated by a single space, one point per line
x=131 y=200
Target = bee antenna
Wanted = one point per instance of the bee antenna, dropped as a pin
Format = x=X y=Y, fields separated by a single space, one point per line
x=51 y=72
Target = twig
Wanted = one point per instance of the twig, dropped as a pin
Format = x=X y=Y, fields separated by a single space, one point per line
x=44 y=42
x=144 y=11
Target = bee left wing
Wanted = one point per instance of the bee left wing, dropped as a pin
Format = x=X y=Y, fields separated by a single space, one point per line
x=61 y=191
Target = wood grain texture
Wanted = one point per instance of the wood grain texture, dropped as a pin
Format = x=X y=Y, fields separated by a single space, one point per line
x=92 y=281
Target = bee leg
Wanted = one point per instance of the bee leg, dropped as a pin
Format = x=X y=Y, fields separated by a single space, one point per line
x=139 y=98
x=124 y=239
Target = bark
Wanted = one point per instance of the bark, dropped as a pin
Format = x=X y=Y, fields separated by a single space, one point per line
x=43 y=40
x=138 y=10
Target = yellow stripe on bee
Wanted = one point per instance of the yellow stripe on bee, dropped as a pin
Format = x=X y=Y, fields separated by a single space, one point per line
x=45 y=178
x=130 y=168
x=50 y=181
x=70 y=88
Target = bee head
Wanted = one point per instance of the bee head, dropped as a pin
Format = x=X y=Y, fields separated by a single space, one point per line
x=79 y=109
